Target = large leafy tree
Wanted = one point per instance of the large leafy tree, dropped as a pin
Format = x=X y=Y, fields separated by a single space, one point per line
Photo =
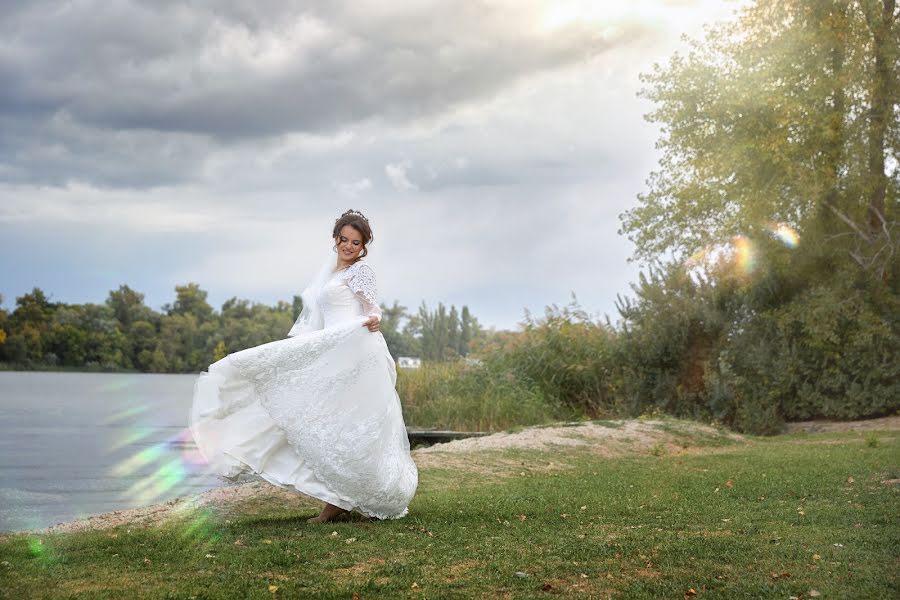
x=128 y=306
x=788 y=113
x=190 y=300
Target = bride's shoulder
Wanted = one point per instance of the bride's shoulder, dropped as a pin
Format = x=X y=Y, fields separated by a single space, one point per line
x=361 y=267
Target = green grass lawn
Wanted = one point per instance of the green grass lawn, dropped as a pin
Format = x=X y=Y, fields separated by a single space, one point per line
x=795 y=515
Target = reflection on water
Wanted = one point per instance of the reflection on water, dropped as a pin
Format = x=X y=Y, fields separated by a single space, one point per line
x=79 y=444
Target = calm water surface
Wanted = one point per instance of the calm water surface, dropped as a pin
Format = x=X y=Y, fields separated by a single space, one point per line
x=80 y=444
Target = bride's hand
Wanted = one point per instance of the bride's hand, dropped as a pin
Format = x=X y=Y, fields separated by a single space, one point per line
x=373 y=323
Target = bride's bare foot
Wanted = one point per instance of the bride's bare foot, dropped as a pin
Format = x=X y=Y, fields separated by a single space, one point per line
x=329 y=513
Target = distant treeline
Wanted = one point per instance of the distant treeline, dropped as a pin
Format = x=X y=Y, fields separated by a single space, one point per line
x=188 y=335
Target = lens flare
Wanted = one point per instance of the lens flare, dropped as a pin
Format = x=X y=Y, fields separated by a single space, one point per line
x=744 y=253
x=787 y=234
x=126 y=414
x=131 y=436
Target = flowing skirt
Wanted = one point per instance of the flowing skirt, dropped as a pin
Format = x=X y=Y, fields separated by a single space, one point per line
x=318 y=413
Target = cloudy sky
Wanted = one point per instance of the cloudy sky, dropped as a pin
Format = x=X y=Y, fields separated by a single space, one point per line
x=492 y=145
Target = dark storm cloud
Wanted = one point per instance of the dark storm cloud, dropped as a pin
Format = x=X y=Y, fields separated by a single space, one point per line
x=229 y=72
x=156 y=86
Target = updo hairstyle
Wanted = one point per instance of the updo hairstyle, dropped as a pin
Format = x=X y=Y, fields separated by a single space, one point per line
x=357 y=221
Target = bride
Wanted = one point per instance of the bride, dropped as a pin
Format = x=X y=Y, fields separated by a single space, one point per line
x=318 y=411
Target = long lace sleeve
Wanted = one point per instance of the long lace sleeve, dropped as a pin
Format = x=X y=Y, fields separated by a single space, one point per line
x=361 y=282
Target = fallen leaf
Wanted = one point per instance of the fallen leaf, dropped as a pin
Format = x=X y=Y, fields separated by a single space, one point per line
x=816 y=557
x=273 y=589
x=546 y=587
x=522 y=517
x=349 y=540
x=267 y=541
x=414 y=586
x=729 y=483
x=814 y=593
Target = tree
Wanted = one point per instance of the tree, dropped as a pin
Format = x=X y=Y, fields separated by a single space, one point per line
x=443 y=334
x=296 y=306
x=785 y=114
x=32 y=309
x=191 y=300
x=127 y=305
x=236 y=309
x=3 y=322
x=469 y=330
x=219 y=352
x=396 y=332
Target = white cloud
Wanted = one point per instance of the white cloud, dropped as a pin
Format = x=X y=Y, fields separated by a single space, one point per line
x=396 y=173
x=354 y=188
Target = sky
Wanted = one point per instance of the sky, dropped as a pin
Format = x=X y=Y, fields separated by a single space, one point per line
x=492 y=145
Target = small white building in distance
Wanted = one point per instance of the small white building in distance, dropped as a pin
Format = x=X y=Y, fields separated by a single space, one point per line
x=409 y=362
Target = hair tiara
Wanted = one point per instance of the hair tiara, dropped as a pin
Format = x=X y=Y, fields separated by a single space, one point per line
x=357 y=213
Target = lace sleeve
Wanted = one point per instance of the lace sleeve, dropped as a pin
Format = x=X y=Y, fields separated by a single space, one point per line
x=361 y=282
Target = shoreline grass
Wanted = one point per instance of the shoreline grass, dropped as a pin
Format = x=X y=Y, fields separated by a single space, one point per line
x=771 y=518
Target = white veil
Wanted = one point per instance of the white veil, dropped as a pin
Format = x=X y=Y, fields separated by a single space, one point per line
x=311 y=318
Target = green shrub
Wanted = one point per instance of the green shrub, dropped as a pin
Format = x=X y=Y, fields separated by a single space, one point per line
x=459 y=396
x=565 y=355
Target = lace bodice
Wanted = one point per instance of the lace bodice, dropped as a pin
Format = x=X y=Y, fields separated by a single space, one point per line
x=345 y=295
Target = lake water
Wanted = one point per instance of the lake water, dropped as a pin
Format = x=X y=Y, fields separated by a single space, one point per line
x=80 y=444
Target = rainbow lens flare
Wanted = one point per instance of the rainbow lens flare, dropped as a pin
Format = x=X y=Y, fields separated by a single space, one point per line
x=787 y=234
x=744 y=254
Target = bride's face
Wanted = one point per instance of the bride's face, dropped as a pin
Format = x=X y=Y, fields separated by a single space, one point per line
x=349 y=243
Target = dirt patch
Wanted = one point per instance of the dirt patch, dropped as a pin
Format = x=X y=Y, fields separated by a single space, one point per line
x=490 y=463
x=592 y=586
x=632 y=436
x=461 y=568
x=891 y=423
x=359 y=569
x=225 y=500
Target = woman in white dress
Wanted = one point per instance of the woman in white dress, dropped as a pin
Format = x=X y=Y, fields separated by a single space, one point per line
x=317 y=412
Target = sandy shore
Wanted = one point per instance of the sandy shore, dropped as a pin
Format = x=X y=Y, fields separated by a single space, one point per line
x=614 y=438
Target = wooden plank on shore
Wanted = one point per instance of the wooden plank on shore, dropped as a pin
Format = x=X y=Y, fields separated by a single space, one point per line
x=433 y=436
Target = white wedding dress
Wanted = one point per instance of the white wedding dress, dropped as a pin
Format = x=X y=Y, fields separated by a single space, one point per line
x=318 y=411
